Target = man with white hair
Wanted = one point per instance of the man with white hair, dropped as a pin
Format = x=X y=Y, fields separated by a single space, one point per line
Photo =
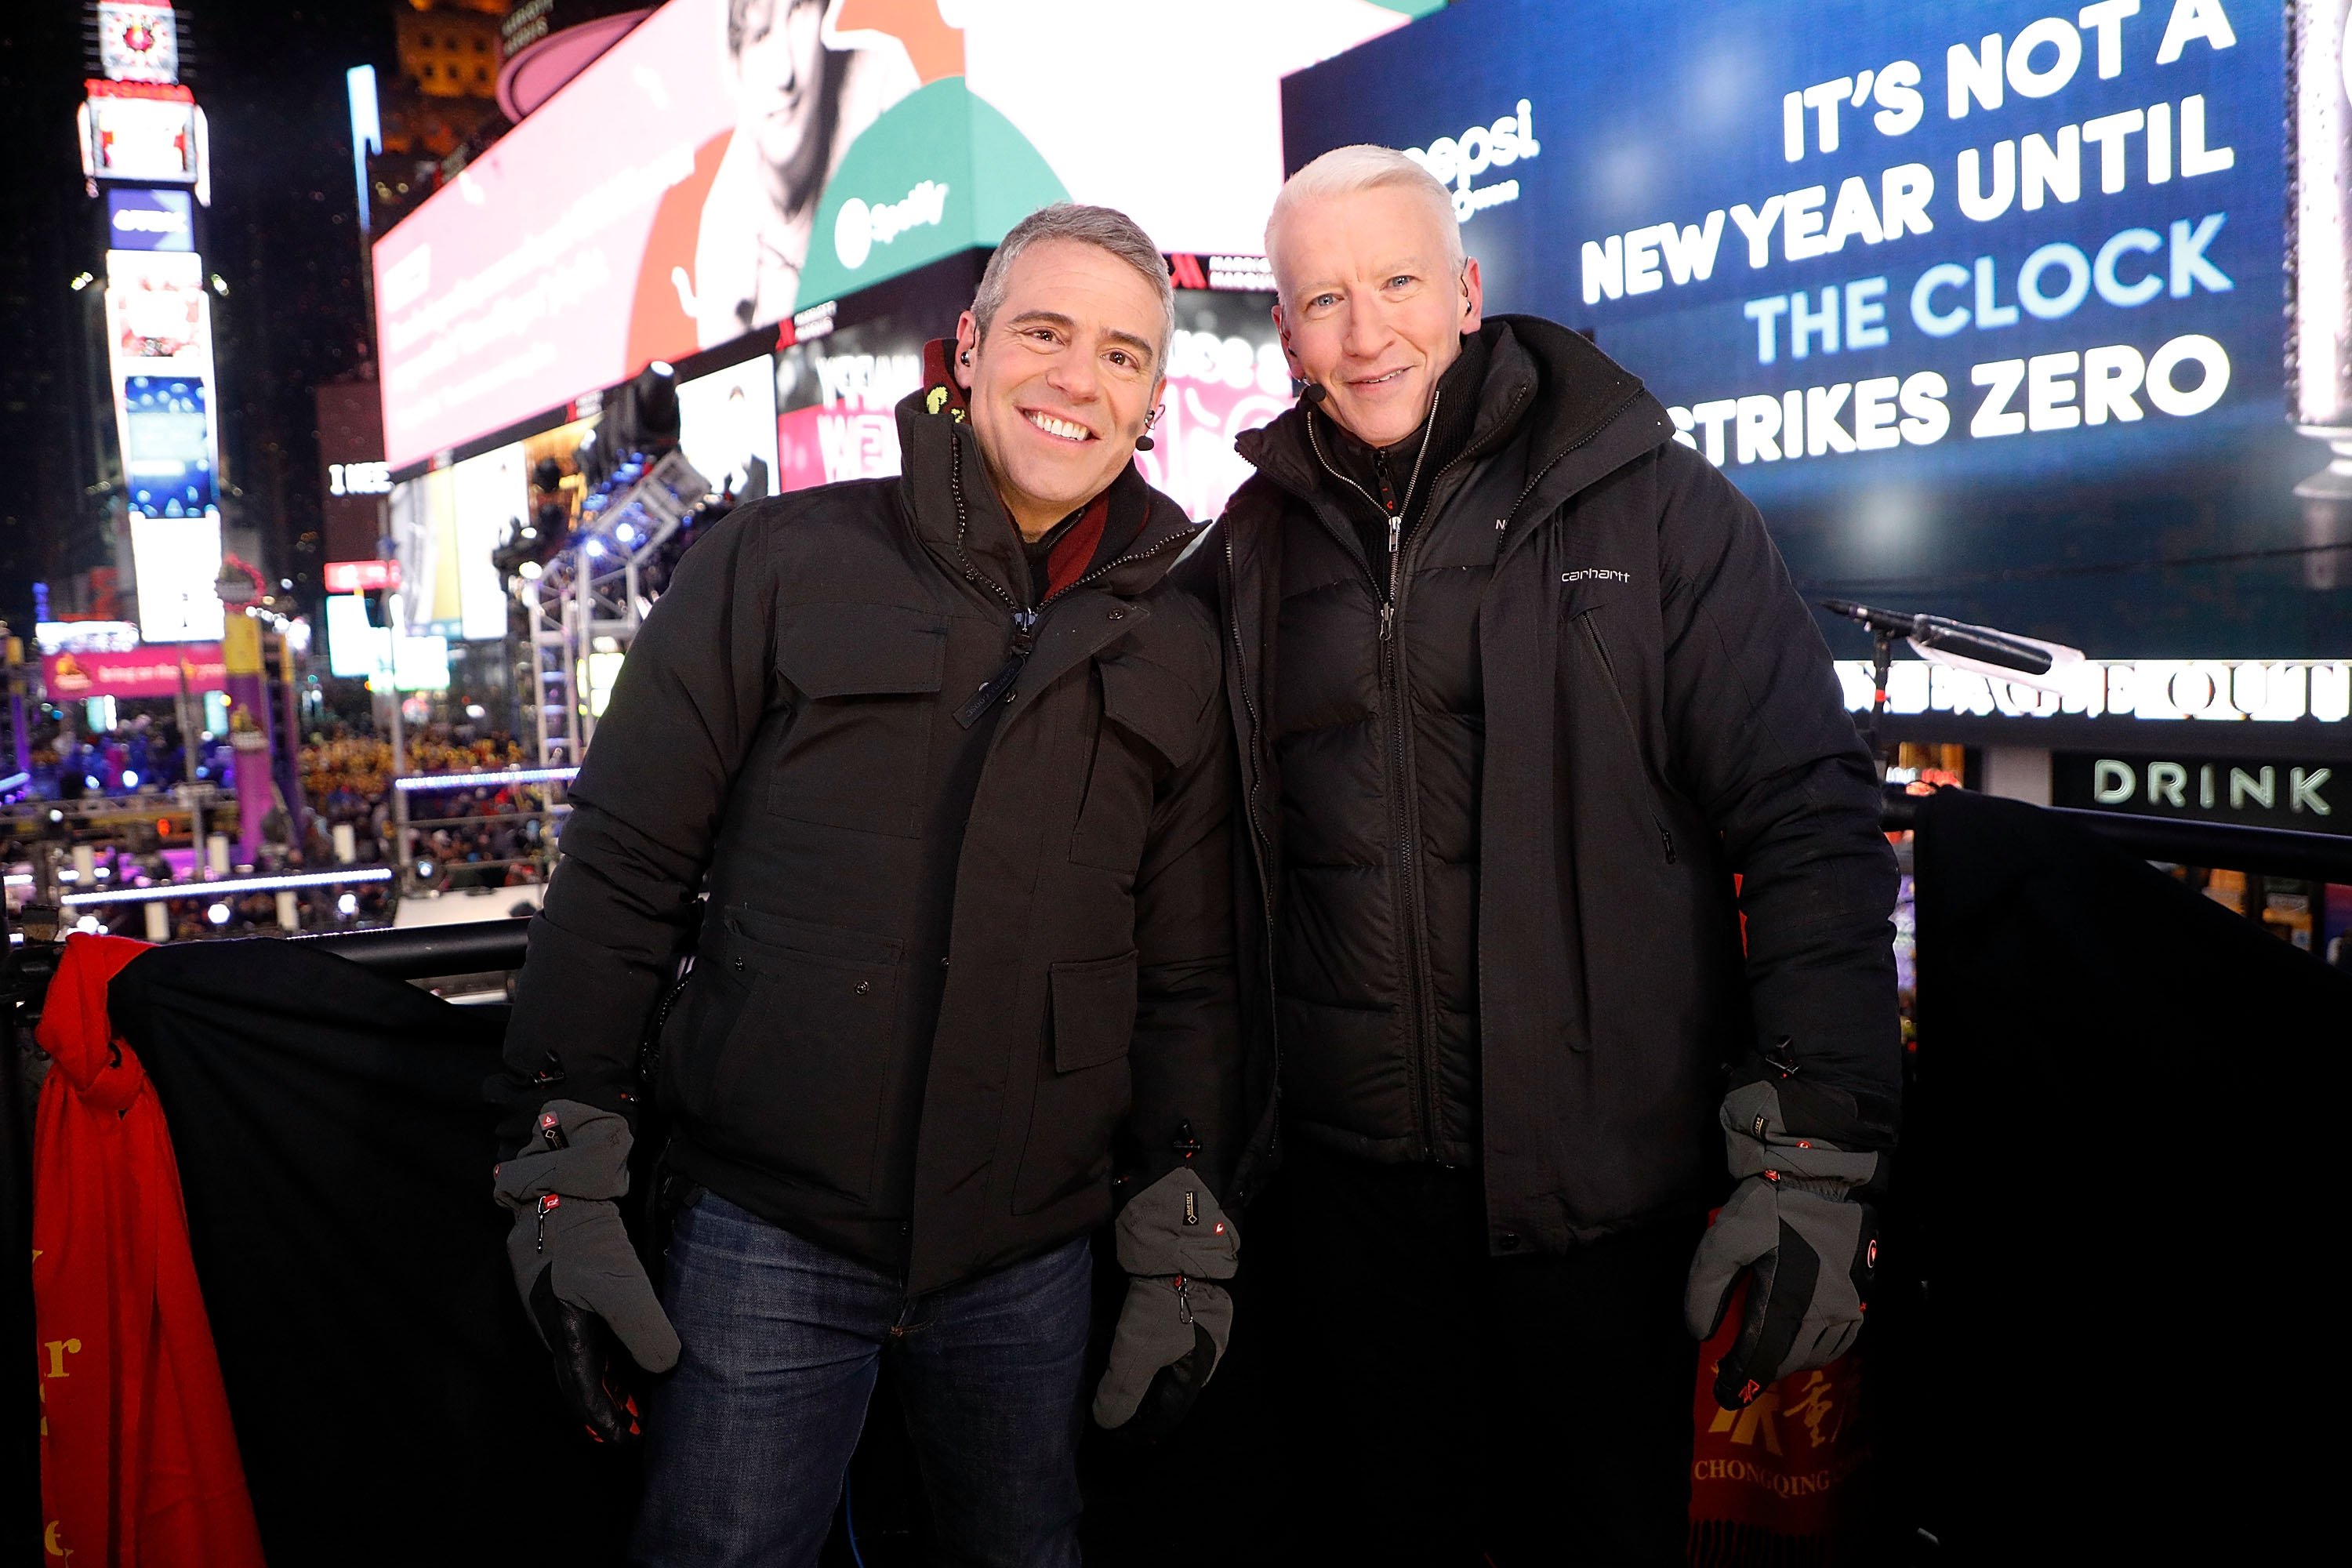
x=1531 y=720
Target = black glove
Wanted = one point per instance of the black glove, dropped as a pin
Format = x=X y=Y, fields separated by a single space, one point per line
x=1799 y=1224
x=580 y=1278
x=1173 y=1241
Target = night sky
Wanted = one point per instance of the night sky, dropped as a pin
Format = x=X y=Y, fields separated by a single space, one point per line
x=281 y=234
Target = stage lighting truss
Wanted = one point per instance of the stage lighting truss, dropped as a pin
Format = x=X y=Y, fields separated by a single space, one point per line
x=591 y=596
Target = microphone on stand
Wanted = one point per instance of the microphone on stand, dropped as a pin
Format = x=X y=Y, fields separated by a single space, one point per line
x=2001 y=656
x=1958 y=641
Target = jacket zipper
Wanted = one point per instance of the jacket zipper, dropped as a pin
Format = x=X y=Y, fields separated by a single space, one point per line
x=1261 y=845
x=999 y=687
x=1422 y=1034
x=649 y=1055
x=1632 y=734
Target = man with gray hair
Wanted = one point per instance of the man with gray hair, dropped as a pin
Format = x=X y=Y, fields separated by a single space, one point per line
x=932 y=778
x=1531 y=719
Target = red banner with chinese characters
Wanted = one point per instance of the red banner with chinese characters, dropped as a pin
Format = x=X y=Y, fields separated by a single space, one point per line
x=1780 y=1481
x=148 y=670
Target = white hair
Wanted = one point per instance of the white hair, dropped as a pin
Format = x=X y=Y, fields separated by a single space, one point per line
x=1344 y=172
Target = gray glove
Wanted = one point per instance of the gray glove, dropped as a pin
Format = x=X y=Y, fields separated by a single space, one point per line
x=580 y=1278
x=1173 y=1240
x=1797 y=1225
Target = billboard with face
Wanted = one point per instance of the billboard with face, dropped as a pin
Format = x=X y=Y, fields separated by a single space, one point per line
x=730 y=162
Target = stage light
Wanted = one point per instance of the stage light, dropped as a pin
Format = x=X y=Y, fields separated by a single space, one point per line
x=217 y=914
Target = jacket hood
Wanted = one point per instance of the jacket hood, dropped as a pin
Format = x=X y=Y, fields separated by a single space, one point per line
x=1574 y=398
x=943 y=485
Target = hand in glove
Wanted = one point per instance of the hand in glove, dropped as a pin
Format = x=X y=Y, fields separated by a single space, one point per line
x=580 y=1278
x=1797 y=1224
x=1173 y=1241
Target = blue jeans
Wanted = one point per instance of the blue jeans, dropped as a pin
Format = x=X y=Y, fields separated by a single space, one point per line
x=748 y=1441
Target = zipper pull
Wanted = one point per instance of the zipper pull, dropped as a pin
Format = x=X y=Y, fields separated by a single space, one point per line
x=1000 y=685
x=1388 y=618
x=1396 y=532
x=1183 y=1301
x=547 y=1200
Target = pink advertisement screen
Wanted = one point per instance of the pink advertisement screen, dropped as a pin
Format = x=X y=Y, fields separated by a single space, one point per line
x=544 y=269
x=145 y=671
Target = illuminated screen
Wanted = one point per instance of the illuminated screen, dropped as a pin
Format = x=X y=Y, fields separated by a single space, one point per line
x=141 y=220
x=142 y=134
x=167 y=446
x=355 y=648
x=138 y=40
x=177 y=561
x=679 y=192
x=727 y=428
x=446 y=527
x=1982 y=305
x=1225 y=375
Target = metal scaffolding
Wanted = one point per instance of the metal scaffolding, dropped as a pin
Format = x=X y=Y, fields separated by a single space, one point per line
x=589 y=601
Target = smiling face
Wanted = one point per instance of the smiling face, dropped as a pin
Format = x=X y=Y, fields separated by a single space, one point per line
x=1063 y=382
x=1372 y=306
x=780 y=63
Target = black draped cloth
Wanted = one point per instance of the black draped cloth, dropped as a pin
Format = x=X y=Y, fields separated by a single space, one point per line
x=392 y=1403
x=2119 y=1185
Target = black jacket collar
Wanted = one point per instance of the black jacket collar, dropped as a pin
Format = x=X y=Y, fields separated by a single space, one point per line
x=1574 y=398
x=943 y=485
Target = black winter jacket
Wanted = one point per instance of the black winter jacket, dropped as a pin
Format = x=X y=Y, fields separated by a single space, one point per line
x=1659 y=716
x=910 y=1037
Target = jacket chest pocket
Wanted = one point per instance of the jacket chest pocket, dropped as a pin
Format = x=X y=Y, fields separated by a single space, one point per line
x=786 y=1063
x=1084 y=1086
x=858 y=751
x=1143 y=737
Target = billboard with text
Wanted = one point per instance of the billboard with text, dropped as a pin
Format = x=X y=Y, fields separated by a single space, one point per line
x=1981 y=304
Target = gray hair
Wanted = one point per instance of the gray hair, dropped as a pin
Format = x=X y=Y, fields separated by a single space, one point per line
x=1105 y=228
x=1344 y=172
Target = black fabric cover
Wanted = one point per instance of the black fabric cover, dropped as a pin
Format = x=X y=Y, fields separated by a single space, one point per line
x=2121 y=1169
x=392 y=1403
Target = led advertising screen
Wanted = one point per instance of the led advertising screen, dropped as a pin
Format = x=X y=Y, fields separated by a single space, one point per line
x=356 y=647
x=177 y=561
x=1982 y=305
x=167 y=448
x=837 y=397
x=1225 y=375
x=723 y=166
x=138 y=40
x=141 y=133
x=727 y=428
x=446 y=526
x=135 y=672
x=141 y=220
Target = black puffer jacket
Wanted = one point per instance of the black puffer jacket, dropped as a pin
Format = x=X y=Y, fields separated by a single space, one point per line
x=1659 y=716
x=938 y=979
x=1379 y=736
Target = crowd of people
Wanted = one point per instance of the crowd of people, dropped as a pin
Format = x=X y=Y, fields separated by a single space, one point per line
x=143 y=753
x=472 y=835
